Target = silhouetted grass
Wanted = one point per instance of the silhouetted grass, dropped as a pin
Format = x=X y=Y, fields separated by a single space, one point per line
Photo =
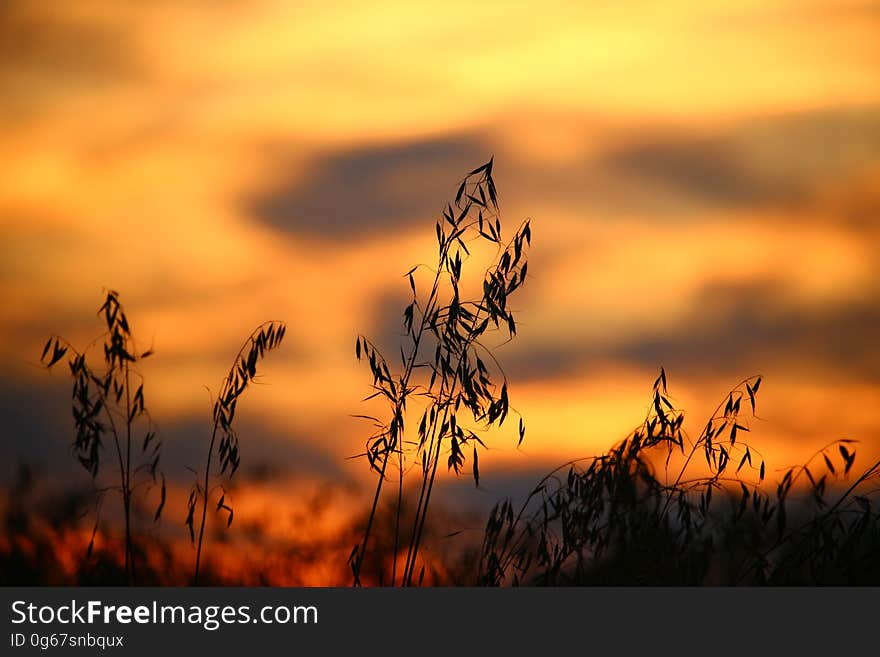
x=109 y=401
x=656 y=508
x=446 y=368
x=619 y=518
x=266 y=337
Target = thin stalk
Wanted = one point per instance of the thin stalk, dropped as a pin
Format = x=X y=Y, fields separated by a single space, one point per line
x=505 y=555
x=122 y=481
x=404 y=383
x=360 y=556
x=428 y=482
x=204 y=505
x=129 y=557
x=233 y=386
x=696 y=446
x=865 y=475
x=420 y=522
x=397 y=515
x=421 y=507
x=410 y=557
x=784 y=538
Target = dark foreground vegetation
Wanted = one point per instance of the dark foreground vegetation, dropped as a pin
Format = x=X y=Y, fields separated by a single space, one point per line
x=659 y=508
x=621 y=519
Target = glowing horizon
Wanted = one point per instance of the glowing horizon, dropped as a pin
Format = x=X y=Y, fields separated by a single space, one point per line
x=702 y=184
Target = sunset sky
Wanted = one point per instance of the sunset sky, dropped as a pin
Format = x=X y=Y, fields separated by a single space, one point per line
x=703 y=181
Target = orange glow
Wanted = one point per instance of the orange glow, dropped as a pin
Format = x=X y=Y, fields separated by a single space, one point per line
x=686 y=165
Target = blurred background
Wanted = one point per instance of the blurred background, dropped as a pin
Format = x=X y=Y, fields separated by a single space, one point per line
x=702 y=180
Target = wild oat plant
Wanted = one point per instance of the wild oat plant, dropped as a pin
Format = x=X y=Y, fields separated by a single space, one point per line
x=623 y=518
x=108 y=404
x=223 y=446
x=449 y=387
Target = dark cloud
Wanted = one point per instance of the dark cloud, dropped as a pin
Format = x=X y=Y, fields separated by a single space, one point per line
x=496 y=483
x=33 y=420
x=732 y=329
x=36 y=39
x=349 y=194
x=37 y=428
x=266 y=454
x=751 y=327
x=546 y=358
x=708 y=169
x=774 y=160
x=663 y=174
x=48 y=53
x=667 y=174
